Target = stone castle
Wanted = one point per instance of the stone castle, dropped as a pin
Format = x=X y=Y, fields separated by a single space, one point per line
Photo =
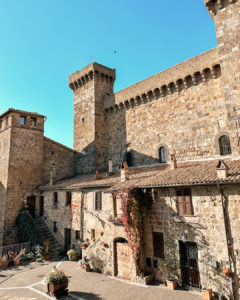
x=178 y=131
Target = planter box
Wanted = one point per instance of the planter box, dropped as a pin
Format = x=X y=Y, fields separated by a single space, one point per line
x=207 y=294
x=73 y=258
x=3 y=264
x=57 y=288
x=172 y=285
x=144 y=280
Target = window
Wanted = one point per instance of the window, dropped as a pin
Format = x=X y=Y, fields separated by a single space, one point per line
x=92 y=234
x=23 y=120
x=148 y=262
x=55 y=226
x=162 y=155
x=98 y=201
x=129 y=159
x=33 y=121
x=158 y=244
x=224 y=145
x=68 y=198
x=77 y=236
x=184 y=202
x=55 y=199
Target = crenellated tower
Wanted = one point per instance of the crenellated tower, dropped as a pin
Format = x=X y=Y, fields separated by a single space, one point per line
x=226 y=16
x=90 y=85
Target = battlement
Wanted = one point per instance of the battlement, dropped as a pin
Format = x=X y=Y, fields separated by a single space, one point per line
x=20 y=118
x=90 y=72
x=214 y=6
x=190 y=73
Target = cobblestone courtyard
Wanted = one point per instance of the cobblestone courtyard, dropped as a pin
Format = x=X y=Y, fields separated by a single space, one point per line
x=27 y=283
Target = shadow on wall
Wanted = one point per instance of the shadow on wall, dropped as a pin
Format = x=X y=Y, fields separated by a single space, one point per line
x=2 y=211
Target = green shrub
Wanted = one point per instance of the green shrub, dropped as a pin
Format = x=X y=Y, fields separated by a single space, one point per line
x=73 y=252
x=56 y=276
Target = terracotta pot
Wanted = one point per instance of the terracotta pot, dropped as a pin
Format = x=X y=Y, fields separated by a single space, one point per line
x=54 y=288
x=47 y=257
x=172 y=285
x=73 y=258
x=226 y=272
x=3 y=264
x=207 y=294
x=16 y=262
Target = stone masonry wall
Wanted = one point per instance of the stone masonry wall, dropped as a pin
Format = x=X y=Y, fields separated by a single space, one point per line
x=206 y=227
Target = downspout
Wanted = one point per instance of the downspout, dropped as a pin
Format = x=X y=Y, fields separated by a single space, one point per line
x=228 y=242
x=82 y=216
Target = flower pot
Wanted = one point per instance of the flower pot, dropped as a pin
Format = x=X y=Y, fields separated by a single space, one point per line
x=3 y=264
x=171 y=284
x=47 y=257
x=226 y=272
x=57 y=288
x=207 y=294
x=73 y=257
x=16 y=262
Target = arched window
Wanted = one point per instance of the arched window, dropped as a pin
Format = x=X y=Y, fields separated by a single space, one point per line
x=224 y=145
x=162 y=155
x=129 y=159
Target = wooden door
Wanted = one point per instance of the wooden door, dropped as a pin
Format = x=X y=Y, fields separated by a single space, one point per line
x=67 y=238
x=41 y=206
x=123 y=264
x=31 y=205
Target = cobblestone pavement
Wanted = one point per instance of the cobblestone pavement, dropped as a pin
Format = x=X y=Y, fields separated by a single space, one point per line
x=27 y=283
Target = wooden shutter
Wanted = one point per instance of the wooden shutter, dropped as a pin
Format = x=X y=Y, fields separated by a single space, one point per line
x=158 y=244
x=69 y=198
x=180 y=203
x=98 y=201
x=188 y=202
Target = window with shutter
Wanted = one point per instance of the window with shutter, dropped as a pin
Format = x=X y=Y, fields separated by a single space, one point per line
x=98 y=201
x=184 y=202
x=158 y=244
x=68 y=198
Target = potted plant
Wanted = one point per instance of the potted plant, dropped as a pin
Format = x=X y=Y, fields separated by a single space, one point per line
x=85 y=245
x=73 y=254
x=57 y=282
x=4 y=262
x=171 y=264
x=47 y=256
x=207 y=293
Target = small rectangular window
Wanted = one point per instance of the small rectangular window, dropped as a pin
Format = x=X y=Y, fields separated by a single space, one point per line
x=184 y=202
x=33 y=121
x=55 y=199
x=148 y=262
x=98 y=201
x=155 y=263
x=77 y=236
x=55 y=226
x=92 y=233
x=23 y=120
x=68 y=198
x=158 y=244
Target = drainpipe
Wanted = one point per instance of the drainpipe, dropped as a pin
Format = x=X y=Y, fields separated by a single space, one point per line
x=227 y=238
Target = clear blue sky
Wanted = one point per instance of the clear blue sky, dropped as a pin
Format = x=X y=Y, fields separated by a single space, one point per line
x=43 y=42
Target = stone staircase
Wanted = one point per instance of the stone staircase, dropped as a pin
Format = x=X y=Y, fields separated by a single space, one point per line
x=45 y=233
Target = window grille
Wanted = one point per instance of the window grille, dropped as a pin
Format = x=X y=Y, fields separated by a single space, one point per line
x=224 y=145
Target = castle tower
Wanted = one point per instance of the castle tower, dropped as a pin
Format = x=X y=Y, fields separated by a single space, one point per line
x=90 y=85
x=226 y=16
x=21 y=160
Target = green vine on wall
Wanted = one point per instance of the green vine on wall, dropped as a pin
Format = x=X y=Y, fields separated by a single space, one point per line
x=134 y=205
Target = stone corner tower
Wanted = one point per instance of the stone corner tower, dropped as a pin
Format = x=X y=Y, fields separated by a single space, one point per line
x=90 y=85
x=226 y=16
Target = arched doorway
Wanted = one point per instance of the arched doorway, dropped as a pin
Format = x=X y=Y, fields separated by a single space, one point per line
x=122 y=258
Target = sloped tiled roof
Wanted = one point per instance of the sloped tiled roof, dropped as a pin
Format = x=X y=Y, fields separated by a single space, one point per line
x=187 y=173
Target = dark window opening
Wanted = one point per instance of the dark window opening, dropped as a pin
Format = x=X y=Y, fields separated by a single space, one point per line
x=98 y=201
x=55 y=199
x=224 y=145
x=68 y=198
x=148 y=262
x=77 y=235
x=162 y=155
x=23 y=120
x=33 y=121
x=129 y=159
x=83 y=119
x=158 y=244
x=92 y=233
x=155 y=263
x=55 y=226
x=52 y=153
x=184 y=202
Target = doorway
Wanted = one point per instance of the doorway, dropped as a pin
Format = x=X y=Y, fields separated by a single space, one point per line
x=31 y=200
x=41 y=206
x=189 y=264
x=67 y=238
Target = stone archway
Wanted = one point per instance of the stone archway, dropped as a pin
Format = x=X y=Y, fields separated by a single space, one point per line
x=122 y=258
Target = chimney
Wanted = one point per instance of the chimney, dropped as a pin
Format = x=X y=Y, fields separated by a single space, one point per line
x=124 y=171
x=110 y=166
x=222 y=170
x=173 y=163
x=52 y=174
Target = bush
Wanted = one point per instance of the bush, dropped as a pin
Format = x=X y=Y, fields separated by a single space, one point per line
x=96 y=264
x=73 y=252
x=27 y=231
x=56 y=276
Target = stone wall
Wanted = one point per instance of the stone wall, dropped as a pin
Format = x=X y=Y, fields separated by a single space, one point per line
x=62 y=157
x=206 y=227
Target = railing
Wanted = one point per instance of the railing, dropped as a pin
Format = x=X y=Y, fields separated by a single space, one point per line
x=16 y=249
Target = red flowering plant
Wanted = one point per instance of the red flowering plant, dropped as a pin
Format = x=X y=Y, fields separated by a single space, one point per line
x=134 y=205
